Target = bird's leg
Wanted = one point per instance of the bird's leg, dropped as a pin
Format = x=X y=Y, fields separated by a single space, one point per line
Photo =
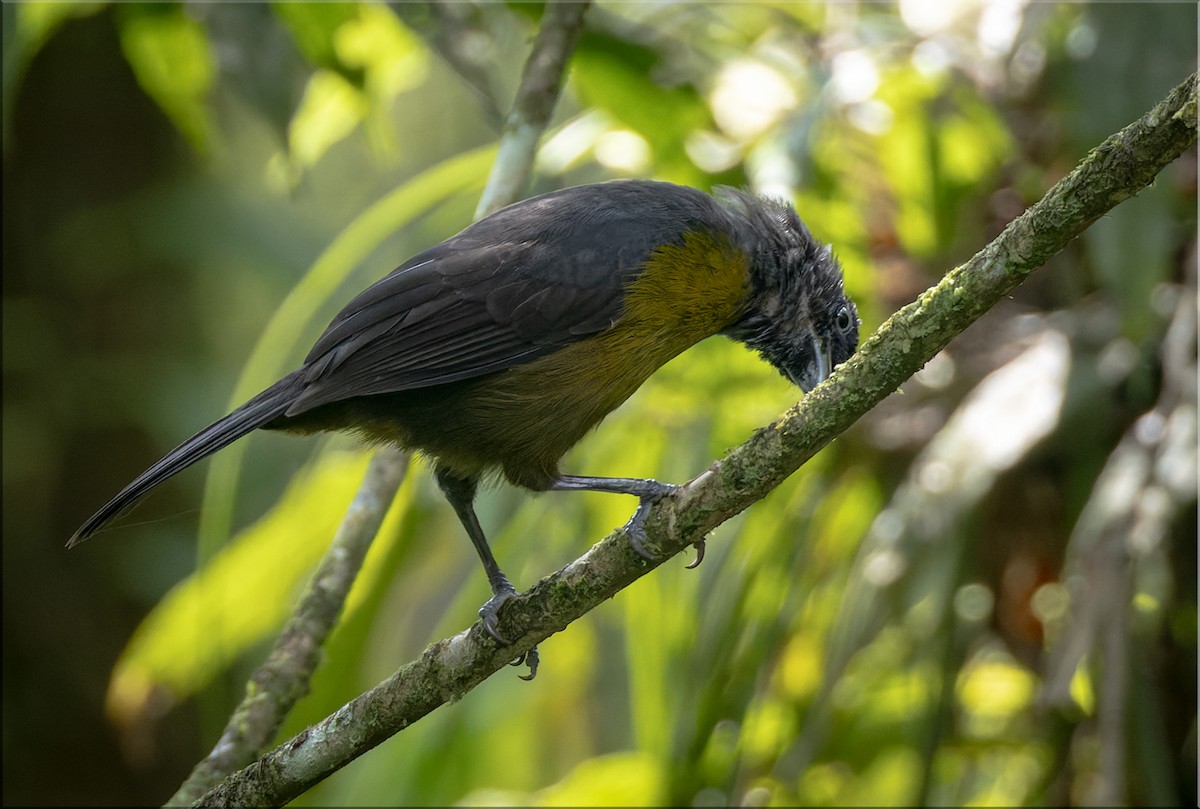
x=648 y=492
x=460 y=492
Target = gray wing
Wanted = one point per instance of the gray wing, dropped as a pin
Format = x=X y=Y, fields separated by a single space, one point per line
x=520 y=284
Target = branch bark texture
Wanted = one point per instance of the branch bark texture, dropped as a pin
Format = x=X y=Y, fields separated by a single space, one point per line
x=1114 y=171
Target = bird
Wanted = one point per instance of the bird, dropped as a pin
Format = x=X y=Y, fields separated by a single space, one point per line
x=497 y=350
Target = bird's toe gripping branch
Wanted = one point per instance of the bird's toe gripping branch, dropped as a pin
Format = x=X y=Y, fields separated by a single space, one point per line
x=635 y=529
x=648 y=492
x=489 y=615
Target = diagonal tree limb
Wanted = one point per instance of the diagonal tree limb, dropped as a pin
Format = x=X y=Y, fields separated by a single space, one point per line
x=283 y=678
x=1114 y=171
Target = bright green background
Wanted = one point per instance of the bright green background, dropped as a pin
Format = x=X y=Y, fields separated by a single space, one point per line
x=190 y=192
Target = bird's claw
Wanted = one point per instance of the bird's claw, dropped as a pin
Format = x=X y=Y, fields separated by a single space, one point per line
x=489 y=613
x=637 y=535
x=531 y=659
x=699 y=546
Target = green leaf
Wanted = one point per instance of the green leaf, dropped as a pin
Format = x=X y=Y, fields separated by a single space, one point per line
x=330 y=110
x=171 y=58
x=313 y=27
x=243 y=595
x=617 y=77
x=618 y=779
x=365 y=56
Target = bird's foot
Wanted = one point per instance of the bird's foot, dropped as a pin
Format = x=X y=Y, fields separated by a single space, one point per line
x=489 y=613
x=635 y=529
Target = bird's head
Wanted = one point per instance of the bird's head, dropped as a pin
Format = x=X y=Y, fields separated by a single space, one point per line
x=798 y=315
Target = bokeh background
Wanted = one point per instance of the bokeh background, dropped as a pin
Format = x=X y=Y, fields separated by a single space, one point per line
x=984 y=592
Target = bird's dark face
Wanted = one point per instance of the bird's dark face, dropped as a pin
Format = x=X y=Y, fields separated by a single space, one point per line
x=807 y=326
x=799 y=317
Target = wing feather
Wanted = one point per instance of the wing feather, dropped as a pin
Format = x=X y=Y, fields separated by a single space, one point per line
x=519 y=284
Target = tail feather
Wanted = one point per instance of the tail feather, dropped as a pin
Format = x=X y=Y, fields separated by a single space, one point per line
x=263 y=408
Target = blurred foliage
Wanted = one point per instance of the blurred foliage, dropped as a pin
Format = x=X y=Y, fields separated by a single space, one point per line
x=169 y=53
x=939 y=608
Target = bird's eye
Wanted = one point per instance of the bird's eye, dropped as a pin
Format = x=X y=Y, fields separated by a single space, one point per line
x=842 y=319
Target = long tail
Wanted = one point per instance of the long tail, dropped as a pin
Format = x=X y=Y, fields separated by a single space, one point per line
x=263 y=408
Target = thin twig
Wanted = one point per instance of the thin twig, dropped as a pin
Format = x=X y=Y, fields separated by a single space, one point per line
x=1116 y=170
x=283 y=679
x=541 y=82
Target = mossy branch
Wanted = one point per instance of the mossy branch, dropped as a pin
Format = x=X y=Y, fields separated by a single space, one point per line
x=1114 y=171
